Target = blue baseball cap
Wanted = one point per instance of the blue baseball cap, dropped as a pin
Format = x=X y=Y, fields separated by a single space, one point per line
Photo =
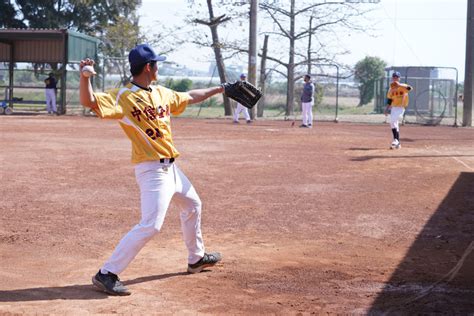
x=143 y=54
x=396 y=74
x=243 y=76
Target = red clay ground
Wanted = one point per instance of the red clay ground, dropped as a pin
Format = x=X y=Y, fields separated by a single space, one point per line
x=310 y=221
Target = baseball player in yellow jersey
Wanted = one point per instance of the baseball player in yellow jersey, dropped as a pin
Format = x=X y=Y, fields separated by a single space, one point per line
x=397 y=101
x=143 y=113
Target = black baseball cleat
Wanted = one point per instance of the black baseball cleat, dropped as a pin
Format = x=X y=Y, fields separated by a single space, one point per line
x=208 y=260
x=304 y=125
x=110 y=284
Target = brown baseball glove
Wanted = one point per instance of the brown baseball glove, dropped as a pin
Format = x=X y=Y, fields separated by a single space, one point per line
x=394 y=85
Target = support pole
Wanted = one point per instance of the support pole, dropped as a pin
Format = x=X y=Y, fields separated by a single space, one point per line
x=252 y=70
x=10 y=75
x=469 y=69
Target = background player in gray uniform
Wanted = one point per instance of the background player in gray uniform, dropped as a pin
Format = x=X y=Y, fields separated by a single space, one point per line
x=307 y=102
x=50 y=93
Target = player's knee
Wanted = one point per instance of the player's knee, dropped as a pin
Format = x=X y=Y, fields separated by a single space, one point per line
x=192 y=208
x=195 y=206
x=148 y=230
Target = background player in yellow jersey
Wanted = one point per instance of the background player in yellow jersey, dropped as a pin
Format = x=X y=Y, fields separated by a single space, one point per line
x=144 y=113
x=397 y=101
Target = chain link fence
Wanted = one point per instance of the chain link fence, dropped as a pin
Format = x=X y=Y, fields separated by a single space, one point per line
x=434 y=98
x=433 y=101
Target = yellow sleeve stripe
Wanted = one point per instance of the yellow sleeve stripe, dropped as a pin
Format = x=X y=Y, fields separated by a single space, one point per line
x=127 y=121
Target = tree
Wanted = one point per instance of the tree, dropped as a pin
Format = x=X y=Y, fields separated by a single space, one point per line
x=296 y=23
x=181 y=85
x=213 y=23
x=367 y=71
x=117 y=39
x=87 y=16
x=115 y=23
x=8 y=15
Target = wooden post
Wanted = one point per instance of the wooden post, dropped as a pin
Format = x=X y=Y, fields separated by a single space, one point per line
x=252 y=67
x=469 y=69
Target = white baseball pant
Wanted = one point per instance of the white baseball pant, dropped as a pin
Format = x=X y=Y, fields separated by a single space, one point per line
x=241 y=108
x=50 y=100
x=396 y=113
x=158 y=183
x=307 y=113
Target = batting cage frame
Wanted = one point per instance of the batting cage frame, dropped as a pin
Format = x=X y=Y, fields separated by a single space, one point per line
x=434 y=98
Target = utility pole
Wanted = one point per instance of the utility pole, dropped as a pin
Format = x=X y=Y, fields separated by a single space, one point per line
x=469 y=68
x=252 y=70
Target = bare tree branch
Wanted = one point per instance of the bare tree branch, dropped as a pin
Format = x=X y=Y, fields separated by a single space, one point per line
x=214 y=21
x=277 y=22
x=268 y=7
x=310 y=7
x=314 y=29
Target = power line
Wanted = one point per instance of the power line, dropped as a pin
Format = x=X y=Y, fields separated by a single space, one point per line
x=401 y=35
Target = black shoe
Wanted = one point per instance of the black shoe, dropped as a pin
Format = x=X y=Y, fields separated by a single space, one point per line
x=110 y=283
x=208 y=260
x=304 y=125
x=249 y=121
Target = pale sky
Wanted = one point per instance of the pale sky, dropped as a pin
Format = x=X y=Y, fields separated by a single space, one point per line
x=408 y=33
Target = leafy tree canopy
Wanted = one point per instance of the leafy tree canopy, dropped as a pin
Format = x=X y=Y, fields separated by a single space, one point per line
x=87 y=16
x=367 y=71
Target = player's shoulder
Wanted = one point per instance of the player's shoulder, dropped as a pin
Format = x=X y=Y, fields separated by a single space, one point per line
x=164 y=91
x=120 y=92
x=159 y=88
x=404 y=87
x=113 y=91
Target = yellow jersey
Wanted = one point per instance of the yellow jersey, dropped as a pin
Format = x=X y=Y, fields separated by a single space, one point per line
x=399 y=95
x=144 y=115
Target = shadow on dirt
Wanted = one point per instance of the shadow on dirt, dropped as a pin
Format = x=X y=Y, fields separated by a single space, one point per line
x=71 y=292
x=366 y=158
x=362 y=149
x=437 y=274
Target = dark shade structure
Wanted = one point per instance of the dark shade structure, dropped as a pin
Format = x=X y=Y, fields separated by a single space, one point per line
x=45 y=46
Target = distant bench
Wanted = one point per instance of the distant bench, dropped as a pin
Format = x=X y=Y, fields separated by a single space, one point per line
x=27 y=102
x=21 y=101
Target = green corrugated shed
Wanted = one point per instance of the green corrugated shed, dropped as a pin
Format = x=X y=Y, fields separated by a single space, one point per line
x=81 y=46
x=45 y=46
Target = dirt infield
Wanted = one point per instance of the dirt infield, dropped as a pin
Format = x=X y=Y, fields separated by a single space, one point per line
x=309 y=221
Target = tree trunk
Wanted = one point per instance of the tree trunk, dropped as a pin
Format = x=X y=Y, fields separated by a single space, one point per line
x=219 y=60
x=261 y=103
x=290 y=97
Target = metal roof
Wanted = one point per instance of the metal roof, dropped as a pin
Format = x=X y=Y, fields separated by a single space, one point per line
x=45 y=46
